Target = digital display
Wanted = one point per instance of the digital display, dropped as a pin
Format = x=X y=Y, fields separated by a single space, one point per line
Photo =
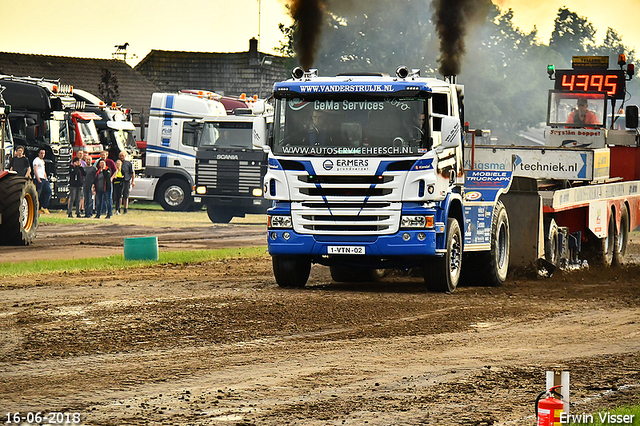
x=610 y=81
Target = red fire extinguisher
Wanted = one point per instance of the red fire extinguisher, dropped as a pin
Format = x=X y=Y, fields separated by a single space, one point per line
x=549 y=409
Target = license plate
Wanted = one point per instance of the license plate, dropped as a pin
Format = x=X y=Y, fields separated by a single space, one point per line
x=345 y=250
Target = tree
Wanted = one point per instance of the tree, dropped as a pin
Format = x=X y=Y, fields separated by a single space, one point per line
x=109 y=87
x=572 y=34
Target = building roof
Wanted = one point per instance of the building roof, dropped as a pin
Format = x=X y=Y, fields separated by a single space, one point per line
x=251 y=72
x=83 y=73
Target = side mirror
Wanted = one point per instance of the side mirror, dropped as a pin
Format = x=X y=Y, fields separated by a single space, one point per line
x=631 y=116
x=31 y=132
x=260 y=132
x=450 y=132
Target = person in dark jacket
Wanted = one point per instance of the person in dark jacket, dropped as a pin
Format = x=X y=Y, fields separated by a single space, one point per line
x=102 y=185
x=87 y=189
x=129 y=179
x=76 y=180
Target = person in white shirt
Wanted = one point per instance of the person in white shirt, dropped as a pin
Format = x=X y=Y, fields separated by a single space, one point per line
x=42 y=182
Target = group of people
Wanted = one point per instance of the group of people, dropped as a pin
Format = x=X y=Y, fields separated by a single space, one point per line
x=97 y=188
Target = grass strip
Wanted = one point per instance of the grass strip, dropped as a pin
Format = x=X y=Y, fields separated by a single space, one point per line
x=117 y=262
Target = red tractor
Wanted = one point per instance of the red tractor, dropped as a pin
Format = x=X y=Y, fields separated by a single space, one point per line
x=18 y=195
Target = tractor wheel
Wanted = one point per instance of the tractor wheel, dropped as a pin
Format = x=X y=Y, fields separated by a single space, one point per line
x=19 y=210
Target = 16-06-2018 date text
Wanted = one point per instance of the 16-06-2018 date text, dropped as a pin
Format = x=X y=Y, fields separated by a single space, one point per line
x=49 y=418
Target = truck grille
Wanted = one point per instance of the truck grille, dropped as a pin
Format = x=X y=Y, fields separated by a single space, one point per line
x=63 y=162
x=229 y=177
x=348 y=219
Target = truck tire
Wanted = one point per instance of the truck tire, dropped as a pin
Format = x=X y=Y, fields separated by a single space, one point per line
x=552 y=244
x=490 y=268
x=620 y=247
x=19 y=210
x=604 y=247
x=219 y=214
x=174 y=195
x=442 y=274
x=345 y=274
x=290 y=271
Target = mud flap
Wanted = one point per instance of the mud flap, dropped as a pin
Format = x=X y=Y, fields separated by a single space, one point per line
x=524 y=207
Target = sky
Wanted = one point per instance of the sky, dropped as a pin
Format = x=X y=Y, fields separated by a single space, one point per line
x=93 y=29
x=621 y=15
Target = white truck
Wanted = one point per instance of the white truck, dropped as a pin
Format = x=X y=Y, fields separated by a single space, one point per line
x=116 y=132
x=366 y=173
x=169 y=171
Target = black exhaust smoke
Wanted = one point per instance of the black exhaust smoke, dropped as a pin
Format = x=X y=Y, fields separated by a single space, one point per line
x=308 y=16
x=452 y=19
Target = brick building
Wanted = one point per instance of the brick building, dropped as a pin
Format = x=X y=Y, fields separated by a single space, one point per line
x=251 y=72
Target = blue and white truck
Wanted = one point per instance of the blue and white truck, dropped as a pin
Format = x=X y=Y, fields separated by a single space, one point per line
x=170 y=160
x=365 y=172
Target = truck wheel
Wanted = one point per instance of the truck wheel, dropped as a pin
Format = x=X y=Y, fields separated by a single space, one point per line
x=19 y=210
x=174 y=195
x=291 y=272
x=490 y=268
x=443 y=273
x=604 y=247
x=345 y=274
x=219 y=214
x=620 y=248
x=551 y=244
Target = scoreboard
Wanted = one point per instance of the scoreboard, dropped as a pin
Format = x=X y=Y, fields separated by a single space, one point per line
x=592 y=80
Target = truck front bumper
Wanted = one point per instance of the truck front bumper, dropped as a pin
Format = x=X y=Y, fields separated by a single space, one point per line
x=404 y=243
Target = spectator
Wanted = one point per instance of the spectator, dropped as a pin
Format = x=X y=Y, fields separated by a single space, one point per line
x=129 y=180
x=118 y=181
x=76 y=180
x=87 y=188
x=112 y=168
x=102 y=185
x=20 y=164
x=80 y=155
x=42 y=183
x=83 y=164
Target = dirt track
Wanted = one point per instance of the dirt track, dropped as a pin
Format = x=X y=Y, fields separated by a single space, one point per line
x=220 y=343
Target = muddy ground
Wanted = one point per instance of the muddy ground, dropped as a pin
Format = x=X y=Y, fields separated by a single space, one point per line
x=219 y=343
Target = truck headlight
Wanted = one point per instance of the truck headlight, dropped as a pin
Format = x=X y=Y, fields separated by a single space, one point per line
x=417 y=221
x=201 y=190
x=277 y=221
x=257 y=192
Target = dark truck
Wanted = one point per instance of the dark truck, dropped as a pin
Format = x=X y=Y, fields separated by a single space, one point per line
x=229 y=170
x=38 y=120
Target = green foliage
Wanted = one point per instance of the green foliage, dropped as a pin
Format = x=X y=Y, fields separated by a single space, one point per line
x=503 y=70
x=572 y=34
x=109 y=87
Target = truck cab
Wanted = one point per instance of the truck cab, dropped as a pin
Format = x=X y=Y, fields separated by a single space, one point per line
x=365 y=172
x=115 y=130
x=170 y=159
x=38 y=120
x=229 y=167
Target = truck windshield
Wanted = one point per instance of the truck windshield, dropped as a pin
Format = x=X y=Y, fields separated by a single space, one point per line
x=226 y=135
x=59 y=132
x=89 y=134
x=576 y=109
x=370 y=127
